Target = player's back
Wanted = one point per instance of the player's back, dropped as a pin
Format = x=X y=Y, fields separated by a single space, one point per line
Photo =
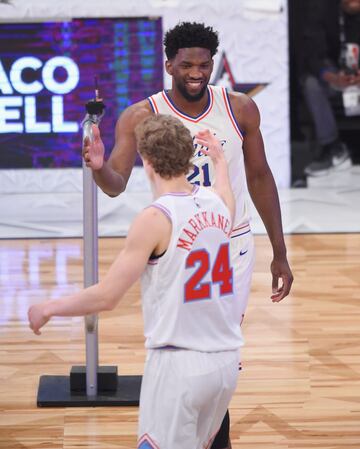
x=188 y=297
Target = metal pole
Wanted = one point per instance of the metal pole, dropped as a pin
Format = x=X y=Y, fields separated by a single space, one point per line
x=90 y=229
x=55 y=391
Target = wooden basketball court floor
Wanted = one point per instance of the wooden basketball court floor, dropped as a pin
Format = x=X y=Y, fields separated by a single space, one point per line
x=300 y=386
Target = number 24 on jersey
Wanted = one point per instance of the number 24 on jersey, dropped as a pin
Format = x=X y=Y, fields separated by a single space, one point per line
x=221 y=273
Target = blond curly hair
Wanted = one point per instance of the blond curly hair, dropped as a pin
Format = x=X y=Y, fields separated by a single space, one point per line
x=166 y=144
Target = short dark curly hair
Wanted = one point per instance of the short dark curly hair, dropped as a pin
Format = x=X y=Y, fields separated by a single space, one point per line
x=189 y=35
x=166 y=144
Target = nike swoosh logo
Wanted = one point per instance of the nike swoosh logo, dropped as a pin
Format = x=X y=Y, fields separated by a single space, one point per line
x=243 y=252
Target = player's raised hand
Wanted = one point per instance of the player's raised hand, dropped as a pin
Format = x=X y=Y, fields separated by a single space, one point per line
x=211 y=145
x=93 y=150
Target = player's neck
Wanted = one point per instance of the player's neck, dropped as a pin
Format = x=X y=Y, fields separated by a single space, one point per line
x=192 y=108
x=161 y=186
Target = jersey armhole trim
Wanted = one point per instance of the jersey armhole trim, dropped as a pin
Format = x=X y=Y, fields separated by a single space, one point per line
x=154 y=259
x=231 y=113
x=153 y=105
x=163 y=209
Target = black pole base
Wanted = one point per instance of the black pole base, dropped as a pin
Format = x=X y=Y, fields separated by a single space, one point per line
x=56 y=391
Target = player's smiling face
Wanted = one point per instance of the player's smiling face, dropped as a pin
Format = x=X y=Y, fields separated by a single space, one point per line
x=191 y=70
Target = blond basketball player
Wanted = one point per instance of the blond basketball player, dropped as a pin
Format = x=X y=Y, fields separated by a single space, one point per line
x=234 y=119
x=190 y=306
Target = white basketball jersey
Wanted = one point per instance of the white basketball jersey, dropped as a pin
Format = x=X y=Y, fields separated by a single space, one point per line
x=188 y=293
x=219 y=119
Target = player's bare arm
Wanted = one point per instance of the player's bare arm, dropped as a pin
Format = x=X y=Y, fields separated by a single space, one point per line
x=212 y=147
x=124 y=271
x=112 y=175
x=263 y=191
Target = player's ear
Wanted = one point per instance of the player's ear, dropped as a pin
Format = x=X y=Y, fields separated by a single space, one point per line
x=169 y=67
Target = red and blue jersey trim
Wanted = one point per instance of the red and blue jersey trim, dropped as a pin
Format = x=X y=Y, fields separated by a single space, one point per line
x=145 y=442
x=240 y=230
x=153 y=105
x=231 y=113
x=181 y=114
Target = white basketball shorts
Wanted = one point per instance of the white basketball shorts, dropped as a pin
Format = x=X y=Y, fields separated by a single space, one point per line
x=184 y=397
x=242 y=250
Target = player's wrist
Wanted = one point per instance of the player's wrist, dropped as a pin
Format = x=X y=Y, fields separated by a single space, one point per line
x=98 y=167
x=280 y=254
x=220 y=161
x=47 y=311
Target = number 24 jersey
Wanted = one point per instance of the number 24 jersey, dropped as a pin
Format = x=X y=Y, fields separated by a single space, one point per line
x=188 y=293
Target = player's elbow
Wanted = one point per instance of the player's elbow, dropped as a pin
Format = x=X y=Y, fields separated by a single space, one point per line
x=113 y=184
x=115 y=191
x=258 y=171
x=112 y=194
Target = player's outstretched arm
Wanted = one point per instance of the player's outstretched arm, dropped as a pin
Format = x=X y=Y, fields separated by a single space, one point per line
x=211 y=146
x=112 y=175
x=124 y=271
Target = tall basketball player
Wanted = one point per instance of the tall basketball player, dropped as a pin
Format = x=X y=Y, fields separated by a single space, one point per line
x=191 y=312
x=234 y=119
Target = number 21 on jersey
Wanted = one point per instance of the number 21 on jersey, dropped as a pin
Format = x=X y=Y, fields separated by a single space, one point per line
x=200 y=175
x=196 y=288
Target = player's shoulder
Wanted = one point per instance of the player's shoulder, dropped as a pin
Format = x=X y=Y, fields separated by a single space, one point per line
x=148 y=229
x=241 y=100
x=245 y=109
x=138 y=111
x=150 y=219
x=133 y=115
x=156 y=212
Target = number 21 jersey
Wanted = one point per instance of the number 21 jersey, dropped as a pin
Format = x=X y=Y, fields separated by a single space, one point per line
x=218 y=117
